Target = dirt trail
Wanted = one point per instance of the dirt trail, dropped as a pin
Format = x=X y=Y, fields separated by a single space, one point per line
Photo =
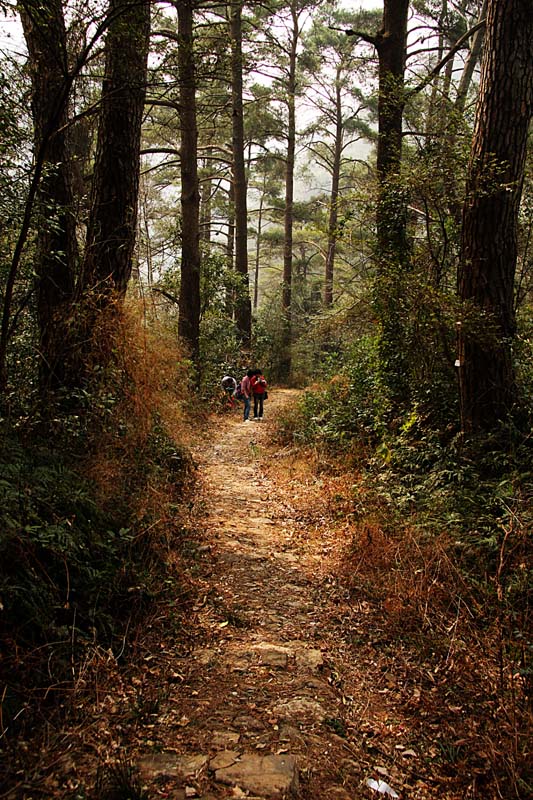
x=257 y=708
x=282 y=682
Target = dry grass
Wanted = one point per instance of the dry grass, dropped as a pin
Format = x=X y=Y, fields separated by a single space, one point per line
x=149 y=381
x=418 y=630
x=424 y=603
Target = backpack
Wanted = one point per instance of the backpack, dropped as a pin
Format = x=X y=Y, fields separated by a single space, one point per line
x=238 y=393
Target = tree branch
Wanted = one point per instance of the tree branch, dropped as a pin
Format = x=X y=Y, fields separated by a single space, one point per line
x=166 y=294
x=366 y=37
x=437 y=68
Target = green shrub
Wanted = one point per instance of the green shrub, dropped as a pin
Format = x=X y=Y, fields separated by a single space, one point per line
x=74 y=572
x=219 y=354
x=60 y=556
x=345 y=409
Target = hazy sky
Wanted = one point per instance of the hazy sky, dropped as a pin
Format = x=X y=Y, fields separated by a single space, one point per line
x=10 y=34
x=10 y=31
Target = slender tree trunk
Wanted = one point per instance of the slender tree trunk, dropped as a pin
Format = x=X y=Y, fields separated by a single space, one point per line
x=57 y=253
x=455 y=117
x=243 y=310
x=205 y=212
x=145 y=224
x=432 y=116
x=230 y=248
x=286 y=359
x=489 y=236
x=112 y=227
x=470 y=64
x=289 y=195
x=258 y=248
x=189 y=305
x=334 y=198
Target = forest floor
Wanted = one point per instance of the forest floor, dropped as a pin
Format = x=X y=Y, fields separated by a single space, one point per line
x=277 y=684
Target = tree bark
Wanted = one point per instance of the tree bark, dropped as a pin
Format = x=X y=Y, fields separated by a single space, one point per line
x=334 y=197
x=286 y=302
x=243 y=309
x=259 y=233
x=391 y=215
x=189 y=305
x=206 y=189
x=112 y=227
x=57 y=252
x=230 y=247
x=489 y=235
x=391 y=44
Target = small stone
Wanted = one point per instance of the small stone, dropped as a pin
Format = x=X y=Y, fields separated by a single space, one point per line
x=269 y=776
x=172 y=766
x=273 y=655
x=300 y=708
x=311 y=659
x=290 y=734
x=206 y=657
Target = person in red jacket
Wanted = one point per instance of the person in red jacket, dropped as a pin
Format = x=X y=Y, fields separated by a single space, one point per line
x=259 y=389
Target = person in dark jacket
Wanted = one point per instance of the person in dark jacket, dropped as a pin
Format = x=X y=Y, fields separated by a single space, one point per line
x=229 y=384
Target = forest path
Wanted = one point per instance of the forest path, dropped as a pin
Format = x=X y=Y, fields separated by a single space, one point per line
x=269 y=664
x=251 y=709
x=259 y=710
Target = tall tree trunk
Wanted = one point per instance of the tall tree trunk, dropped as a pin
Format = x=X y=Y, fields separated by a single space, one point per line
x=432 y=119
x=57 y=253
x=112 y=227
x=334 y=197
x=470 y=64
x=189 y=301
x=206 y=188
x=230 y=248
x=286 y=358
x=455 y=116
x=489 y=236
x=243 y=310
x=391 y=218
x=391 y=45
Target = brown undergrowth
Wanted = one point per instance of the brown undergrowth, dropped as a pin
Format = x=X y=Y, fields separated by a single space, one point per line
x=433 y=657
x=428 y=696
x=123 y=439
x=139 y=458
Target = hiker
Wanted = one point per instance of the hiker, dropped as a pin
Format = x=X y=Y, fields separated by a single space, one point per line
x=246 y=390
x=229 y=385
x=259 y=391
